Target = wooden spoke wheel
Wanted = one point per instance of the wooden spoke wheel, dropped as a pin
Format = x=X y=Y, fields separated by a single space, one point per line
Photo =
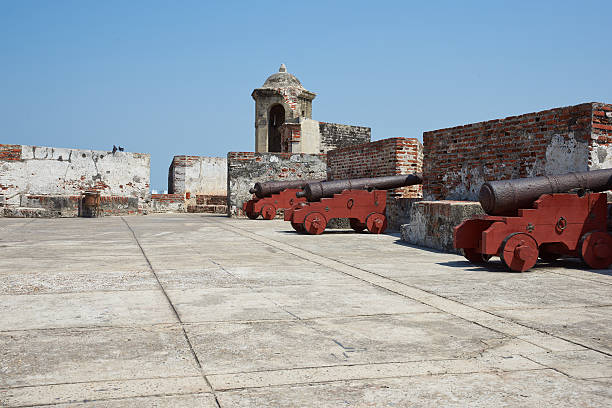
x=299 y=227
x=519 y=252
x=357 y=225
x=315 y=223
x=376 y=223
x=475 y=257
x=596 y=249
x=268 y=212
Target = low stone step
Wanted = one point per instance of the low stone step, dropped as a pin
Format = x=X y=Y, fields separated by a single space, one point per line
x=211 y=209
x=26 y=212
x=202 y=199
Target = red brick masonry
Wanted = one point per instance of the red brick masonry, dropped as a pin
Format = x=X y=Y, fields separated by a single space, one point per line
x=387 y=157
x=459 y=159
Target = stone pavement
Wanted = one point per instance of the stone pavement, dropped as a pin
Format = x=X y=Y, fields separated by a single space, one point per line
x=189 y=310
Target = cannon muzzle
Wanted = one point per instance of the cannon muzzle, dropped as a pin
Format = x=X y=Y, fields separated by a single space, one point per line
x=506 y=196
x=323 y=189
x=267 y=188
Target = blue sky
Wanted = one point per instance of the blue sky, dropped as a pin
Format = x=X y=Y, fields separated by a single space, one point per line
x=170 y=78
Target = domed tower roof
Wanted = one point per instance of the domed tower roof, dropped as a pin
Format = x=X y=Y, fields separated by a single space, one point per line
x=282 y=79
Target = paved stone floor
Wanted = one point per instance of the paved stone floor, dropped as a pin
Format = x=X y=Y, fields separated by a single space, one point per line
x=191 y=310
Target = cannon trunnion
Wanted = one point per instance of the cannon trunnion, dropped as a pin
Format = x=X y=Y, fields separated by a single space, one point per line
x=557 y=224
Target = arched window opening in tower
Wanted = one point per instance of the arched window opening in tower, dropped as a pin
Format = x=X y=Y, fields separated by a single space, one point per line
x=275 y=120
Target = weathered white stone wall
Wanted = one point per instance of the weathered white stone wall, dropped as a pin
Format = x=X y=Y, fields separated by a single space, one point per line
x=208 y=176
x=310 y=141
x=59 y=171
x=198 y=175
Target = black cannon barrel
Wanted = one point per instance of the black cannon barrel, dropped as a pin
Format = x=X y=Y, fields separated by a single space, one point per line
x=267 y=188
x=506 y=196
x=322 y=189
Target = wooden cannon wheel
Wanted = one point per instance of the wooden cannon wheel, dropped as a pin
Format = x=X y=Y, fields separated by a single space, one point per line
x=315 y=223
x=376 y=223
x=519 y=252
x=596 y=249
x=268 y=212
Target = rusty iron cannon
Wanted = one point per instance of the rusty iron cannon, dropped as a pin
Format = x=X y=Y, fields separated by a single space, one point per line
x=363 y=201
x=270 y=196
x=327 y=189
x=541 y=217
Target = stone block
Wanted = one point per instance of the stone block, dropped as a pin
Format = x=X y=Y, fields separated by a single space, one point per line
x=432 y=222
x=398 y=211
x=23 y=212
x=57 y=205
x=161 y=203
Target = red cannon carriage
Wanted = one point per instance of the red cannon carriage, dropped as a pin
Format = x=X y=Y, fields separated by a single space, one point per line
x=557 y=224
x=362 y=201
x=273 y=195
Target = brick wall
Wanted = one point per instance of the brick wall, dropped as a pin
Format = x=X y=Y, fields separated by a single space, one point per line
x=10 y=152
x=336 y=136
x=208 y=204
x=600 y=147
x=244 y=169
x=556 y=141
x=387 y=157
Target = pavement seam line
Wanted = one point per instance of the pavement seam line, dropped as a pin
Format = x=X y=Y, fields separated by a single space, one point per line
x=526 y=356
x=47 y=404
x=178 y=317
x=569 y=275
x=254 y=291
x=205 y=322
x=297 y=318
x=380 y=378
x=325 y=366
x=279 y=245
x=100 y=381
